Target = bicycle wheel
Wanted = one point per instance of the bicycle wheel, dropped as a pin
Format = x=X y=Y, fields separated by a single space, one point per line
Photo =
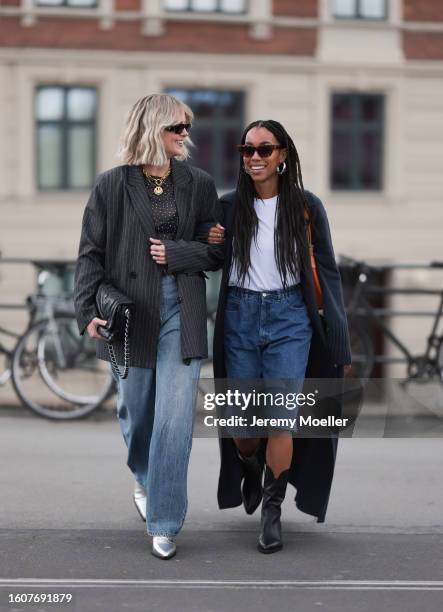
x=61 y=352
x=362 y=351
x=55 y=372
x=440 y=359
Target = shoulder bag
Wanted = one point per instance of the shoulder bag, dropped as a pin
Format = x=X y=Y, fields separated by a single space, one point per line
x=115 y=307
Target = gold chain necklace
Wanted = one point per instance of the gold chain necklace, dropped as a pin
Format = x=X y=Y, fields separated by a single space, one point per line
x=157 y=181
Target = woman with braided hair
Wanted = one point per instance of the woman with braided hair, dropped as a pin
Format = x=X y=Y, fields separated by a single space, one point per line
x=269 y=325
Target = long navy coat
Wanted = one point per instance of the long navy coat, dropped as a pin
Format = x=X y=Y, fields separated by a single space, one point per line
x=313 y=461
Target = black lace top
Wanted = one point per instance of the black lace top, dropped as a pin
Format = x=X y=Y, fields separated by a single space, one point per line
x=164 y=209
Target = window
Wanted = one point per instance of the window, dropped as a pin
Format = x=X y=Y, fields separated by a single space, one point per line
x=65 y=137
x=206 y=6
x=357 y=141
x=217 y=129
x=360 y=9
x=69 y=3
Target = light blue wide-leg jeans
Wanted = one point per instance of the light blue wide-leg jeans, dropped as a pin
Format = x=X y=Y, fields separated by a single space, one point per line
x=156 y=413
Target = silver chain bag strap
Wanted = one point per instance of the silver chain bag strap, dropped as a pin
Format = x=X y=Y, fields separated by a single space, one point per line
x=115 y=307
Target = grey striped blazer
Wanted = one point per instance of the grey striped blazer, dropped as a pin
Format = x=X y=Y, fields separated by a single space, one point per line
x=114 y=245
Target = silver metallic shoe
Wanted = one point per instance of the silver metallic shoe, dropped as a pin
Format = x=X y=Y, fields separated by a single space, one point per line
x=163 y=547
x=139 y=497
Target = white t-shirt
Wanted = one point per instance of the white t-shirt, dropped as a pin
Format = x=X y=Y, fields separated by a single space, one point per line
x=263 y=272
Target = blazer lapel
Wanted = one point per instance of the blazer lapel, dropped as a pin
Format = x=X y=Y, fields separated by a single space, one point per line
x=182 y=179
x=139 y=199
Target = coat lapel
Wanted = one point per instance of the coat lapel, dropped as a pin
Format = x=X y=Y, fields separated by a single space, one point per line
x=182 y=179
x=139 y=199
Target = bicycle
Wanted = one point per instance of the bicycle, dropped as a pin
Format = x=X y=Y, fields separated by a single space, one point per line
x=421 y=367
x=53 y=369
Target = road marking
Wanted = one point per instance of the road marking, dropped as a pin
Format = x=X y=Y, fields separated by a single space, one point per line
x=391 y=585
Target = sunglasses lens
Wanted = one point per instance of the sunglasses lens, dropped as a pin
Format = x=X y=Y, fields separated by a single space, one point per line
x=262 y=150
x=246 y=150
x=178 y=129
x=265 y=150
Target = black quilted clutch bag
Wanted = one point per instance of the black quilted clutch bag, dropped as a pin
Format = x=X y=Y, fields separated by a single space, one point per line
x=115 y=307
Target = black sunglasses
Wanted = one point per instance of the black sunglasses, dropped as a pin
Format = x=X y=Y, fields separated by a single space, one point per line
x=264 y=150
x=178 y=128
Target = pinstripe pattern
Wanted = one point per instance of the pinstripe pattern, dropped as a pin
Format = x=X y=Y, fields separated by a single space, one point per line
x=114 y=245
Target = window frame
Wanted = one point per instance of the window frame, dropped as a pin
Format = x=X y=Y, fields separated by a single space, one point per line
x=358 y=14
x=357 y=128
x=65 y=125
x=65 y=4
x=220 y=122
x=217 y=11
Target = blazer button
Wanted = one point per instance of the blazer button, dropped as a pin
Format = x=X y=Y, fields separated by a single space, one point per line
x=132 y=274
x=179 y=299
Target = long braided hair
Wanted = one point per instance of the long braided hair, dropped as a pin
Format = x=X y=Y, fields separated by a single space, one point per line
x=291 y=206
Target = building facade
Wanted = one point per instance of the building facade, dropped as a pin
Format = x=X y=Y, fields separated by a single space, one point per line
x=358 y=83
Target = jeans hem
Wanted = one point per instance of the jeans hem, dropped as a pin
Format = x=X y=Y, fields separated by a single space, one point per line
x=162 y=533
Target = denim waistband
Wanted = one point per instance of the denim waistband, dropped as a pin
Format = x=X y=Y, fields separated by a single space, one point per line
x=164 y=272
x=273 y=294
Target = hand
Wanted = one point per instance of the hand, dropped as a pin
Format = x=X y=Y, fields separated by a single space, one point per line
x=158 y=251
x=92 y=328
x=216 y=234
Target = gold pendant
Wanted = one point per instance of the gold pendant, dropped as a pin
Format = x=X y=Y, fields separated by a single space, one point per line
x=158 y=190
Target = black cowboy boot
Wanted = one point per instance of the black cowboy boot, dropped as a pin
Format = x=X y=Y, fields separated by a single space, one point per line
x=252 y=489
x=274 y=491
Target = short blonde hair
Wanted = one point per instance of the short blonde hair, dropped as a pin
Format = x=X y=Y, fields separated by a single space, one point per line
x=142 y=141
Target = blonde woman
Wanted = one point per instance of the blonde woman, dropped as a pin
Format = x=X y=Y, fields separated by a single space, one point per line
x=138 y=233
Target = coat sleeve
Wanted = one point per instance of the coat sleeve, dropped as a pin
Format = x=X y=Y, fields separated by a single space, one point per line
x=202 y=231
x=330 y=280
x=90 y=267
x=193 y=255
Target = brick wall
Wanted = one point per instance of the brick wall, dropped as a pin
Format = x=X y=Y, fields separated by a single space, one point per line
x=423 y=45
x=126 y=36
x=295 y=8
x=127 y=5
x=423 y=10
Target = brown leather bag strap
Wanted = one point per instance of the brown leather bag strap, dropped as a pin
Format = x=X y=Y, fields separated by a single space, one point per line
x=315 y=277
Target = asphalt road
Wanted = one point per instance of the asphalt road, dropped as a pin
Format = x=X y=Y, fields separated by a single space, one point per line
x=68 y=525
